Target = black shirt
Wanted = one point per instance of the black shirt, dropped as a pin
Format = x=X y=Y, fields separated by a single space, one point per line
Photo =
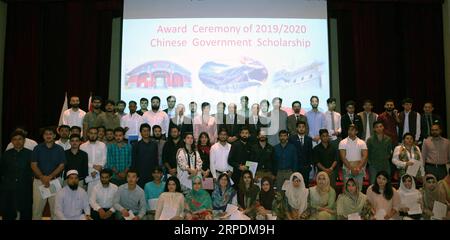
x=15 y=169
x=325 y=156
x=170 y=152
x=144 y=158
x=263 y=156
x=77 y=162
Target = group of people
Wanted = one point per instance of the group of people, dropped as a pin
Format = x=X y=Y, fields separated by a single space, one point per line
x=246 y=164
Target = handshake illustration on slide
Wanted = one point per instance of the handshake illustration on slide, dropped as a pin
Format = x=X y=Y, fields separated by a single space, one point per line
x=222 y=76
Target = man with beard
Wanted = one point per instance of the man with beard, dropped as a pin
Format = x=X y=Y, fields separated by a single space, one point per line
x=233 y=122
x=96 y=151
x=143 y=103
x=131 y=123
x=108 y=118
x=75 y=130
x=74 y=116
x=316 y=120
x=244 y=111
x=109 y=137
x=390 y=120
x=240 y=153
x=101 y=198
x=16 y=180
x=156 y=116
x=121 y=105
x=169 y=156
x=193 y=109
x=428 y=118
x=63 y=141
x=72 y=202
x=183 y=122
x=262 y=153
x=303 y=144
x=144 y=156
x=47 y=164
x=295 y=118
x=91 y=117
x=220 y=116
x=170 y=110
x=157 y=137
x=118 y=157
x=436 y=153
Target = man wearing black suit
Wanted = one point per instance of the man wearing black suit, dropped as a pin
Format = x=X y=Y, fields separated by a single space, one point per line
x=254 y=123
x=233 y=122
x=183 y=123
x=303 y=144
x=170 y=110
x=220 y=116
x=350 y=118
x=427 y=119
x=293 y=119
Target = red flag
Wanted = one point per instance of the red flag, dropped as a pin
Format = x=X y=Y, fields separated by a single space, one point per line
x=90 y=103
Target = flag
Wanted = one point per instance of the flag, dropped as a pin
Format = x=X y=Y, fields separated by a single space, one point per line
x=63 y=109
x=89 y=103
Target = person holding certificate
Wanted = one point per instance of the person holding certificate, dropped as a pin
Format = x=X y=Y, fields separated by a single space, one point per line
x=410 y=198
x=384 y=199
x=170 y=204
x=407 y=155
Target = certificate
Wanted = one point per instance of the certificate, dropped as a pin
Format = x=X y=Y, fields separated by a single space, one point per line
x=413 y=169
x=252 y=166
x=51 y=191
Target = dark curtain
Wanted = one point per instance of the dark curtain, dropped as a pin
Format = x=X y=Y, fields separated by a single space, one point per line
x=387 y=49
x=53 y=47
x=391 y=49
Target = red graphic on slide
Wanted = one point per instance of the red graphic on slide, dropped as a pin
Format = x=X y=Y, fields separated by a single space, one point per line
x=158 y=75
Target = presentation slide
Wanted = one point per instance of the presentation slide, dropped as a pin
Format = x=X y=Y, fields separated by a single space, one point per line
x=211 y=51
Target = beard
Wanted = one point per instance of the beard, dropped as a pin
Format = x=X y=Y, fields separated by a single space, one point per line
x=389 y=109
x=244 y=139
x=73 y=186
x=74 y=105
x=154 y=108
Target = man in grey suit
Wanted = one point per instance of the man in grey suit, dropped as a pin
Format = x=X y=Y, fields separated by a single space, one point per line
x=295 y=118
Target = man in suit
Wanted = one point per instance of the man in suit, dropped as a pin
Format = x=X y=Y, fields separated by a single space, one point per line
x=295 y=118
x=368 y=118
x=184 y=123
x=170 y=110
x=233 y=122
x=427 y=120
x=303 y=144
x=220 y=116
x=254 y=123
x=350 y=118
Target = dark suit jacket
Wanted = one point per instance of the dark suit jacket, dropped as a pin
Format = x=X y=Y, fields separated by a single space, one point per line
x=186 y=125
x=304 y=153
x=234 y=127
x=424 y=133
x=292 y=124
x=345 y=123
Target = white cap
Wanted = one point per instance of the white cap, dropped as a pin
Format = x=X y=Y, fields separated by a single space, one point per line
x=70 y=172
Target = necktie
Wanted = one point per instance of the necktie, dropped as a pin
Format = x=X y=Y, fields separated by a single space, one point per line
x=351 y=118
x=333 y=127
x=429 y=122
x=297 y=118
x=301 y=140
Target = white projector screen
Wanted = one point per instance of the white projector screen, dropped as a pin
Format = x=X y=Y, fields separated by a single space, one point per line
x=215 y=50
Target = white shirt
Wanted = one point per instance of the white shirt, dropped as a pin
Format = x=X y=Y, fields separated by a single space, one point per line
x=73 y=118
x=353 y=148
x=171 y=113
x=218 y=158
x=406 y=126
x=133 y=123
x=65 y=145
x=368 y=133
x=401 y=164
x=96 y=154
x=102 y=197
x=337 y=124
x=29 y=144
x=159 y=118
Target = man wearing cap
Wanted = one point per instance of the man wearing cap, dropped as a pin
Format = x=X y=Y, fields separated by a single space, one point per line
x=72 y=202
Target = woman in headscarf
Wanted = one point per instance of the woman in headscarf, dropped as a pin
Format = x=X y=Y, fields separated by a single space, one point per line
x=444 y=191
x=297 y=197
x=408 y=190
x=198 y=202
x=383 y=197
x=352 y=201
x=265 y=199
x=247 y=194
x=322 y=199
x=430 y=194
x=223 y=193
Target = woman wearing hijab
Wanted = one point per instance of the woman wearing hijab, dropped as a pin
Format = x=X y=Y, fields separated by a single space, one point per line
x=444 y=191
x=223 y=193
x=430 y=194
x=171 y=202
x=247 y=194
x=384 y=199
x=265 y=199
x=408 y=190
x=352 y=201
x=297 y=197
x=322 y=199
x=198 y=202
